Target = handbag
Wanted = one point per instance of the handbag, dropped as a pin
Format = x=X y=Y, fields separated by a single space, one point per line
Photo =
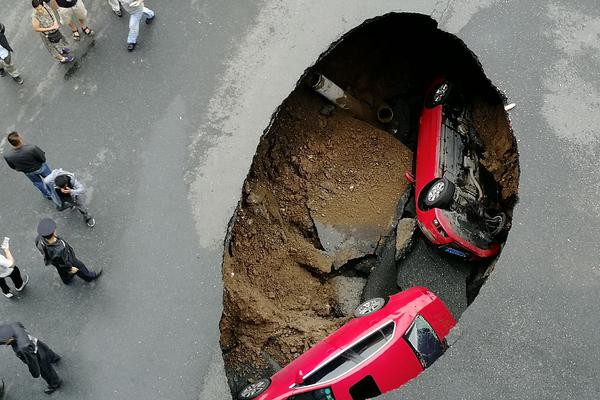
x=54 y=36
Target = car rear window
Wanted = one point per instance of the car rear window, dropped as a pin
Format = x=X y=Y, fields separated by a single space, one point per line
x=352 y=356
x=424 y=341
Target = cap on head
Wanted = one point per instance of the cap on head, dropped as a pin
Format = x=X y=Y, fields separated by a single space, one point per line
x=46 y=227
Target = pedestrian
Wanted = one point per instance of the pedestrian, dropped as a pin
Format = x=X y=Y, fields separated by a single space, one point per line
x=67 y=192
x=70 y=9
x=6 y=64
x=8 y=269
x=61 y=255
x=33 y=352
x=28 y=159
x=44 y=21
x=116 y=7
x=136 y=10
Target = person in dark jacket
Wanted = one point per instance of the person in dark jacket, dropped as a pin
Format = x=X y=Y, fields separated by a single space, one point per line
x=61 y=255
x=33 y=352
x=28 y=159
x=6 y=64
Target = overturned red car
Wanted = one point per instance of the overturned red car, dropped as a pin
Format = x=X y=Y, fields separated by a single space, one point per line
x=385 y=346
x=457 y=198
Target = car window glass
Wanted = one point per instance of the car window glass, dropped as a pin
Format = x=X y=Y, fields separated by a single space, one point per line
x=352 y=356
x=320 y=394
x=424 y=341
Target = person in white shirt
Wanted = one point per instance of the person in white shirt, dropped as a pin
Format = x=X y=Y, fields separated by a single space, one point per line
x=136 y=10
x=6 y=64
x=8 y=269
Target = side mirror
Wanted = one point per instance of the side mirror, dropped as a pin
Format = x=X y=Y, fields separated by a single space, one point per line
x=299 y=378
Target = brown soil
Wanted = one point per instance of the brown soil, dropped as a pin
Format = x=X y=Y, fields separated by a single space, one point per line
x=500 y=157
x=345 y=173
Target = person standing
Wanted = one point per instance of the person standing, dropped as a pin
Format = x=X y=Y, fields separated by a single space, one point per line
x=70 y=9
x=6 y=64
x=33 y=352
x=44 y=21
x=136 y=10
x=67 y=192
x=61 y=255
x=116 y=7
x=28 y=159
x=8 y=269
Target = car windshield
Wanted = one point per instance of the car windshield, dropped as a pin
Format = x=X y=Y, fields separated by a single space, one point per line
x=352 y=356
x=424 y=342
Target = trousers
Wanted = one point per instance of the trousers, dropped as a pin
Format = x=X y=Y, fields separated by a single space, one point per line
x=84 y=273
x=15 y=276
x=8 y=66
x=46 y=357
x=134 y=24
x=36 y=178
x=75 y=203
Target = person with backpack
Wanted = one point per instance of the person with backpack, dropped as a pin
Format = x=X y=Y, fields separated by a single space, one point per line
x=66 y=192
x=60 y=254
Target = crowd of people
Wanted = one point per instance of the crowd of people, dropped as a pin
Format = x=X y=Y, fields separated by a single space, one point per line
x=47 y=18
x=61 y=187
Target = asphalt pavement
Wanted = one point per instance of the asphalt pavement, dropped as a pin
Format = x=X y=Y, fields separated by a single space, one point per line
x=165 y=136
x=129 y=125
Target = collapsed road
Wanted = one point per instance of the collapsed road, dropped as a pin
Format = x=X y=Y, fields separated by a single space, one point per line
x=318 y=227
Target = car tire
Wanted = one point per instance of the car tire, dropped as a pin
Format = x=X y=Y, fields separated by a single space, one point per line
x=253 y=390
x=369 y=307
x=440 y=194
x=439 y=95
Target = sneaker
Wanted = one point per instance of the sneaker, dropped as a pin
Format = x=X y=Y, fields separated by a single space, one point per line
x=65 y=51
x=130 y=46
x=8 y=295
x=25 y=282
x=2 y=72
x=67 y=60
x=90 y=222
x=18 y=79
x=52 y=388
x=149 y=20
x=118 y=13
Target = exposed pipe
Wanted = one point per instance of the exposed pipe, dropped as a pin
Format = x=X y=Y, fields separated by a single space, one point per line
x=385 y=114
x=339 y=97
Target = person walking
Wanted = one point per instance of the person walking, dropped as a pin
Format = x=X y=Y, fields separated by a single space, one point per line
x=44 y=21
x=61 y=255
x=136 y=10
x=8 y=269
x=33 y=352
x=67 y=192
x=6 y=65
x=116 y=7
x=28 y=159
x=68 y=10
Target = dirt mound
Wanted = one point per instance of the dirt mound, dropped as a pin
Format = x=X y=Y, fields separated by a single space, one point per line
x=335 y=170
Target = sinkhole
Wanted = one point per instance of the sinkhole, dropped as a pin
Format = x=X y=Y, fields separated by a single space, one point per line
x=392 y=164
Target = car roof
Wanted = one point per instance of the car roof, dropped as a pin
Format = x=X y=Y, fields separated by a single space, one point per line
x=401 y=307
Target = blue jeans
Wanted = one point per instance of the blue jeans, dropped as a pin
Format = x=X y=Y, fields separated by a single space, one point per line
x=134 y=24
x=36 y=178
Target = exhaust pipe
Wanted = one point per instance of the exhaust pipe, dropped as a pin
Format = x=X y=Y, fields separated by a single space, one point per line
x=339 y=97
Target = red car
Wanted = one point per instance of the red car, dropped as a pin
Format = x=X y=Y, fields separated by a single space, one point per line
x=385 y=346
x=457 y=198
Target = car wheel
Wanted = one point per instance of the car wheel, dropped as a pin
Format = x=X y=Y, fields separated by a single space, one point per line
x=440 y=194
x=254 y=389
x=369 y=307
x=439 y=95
